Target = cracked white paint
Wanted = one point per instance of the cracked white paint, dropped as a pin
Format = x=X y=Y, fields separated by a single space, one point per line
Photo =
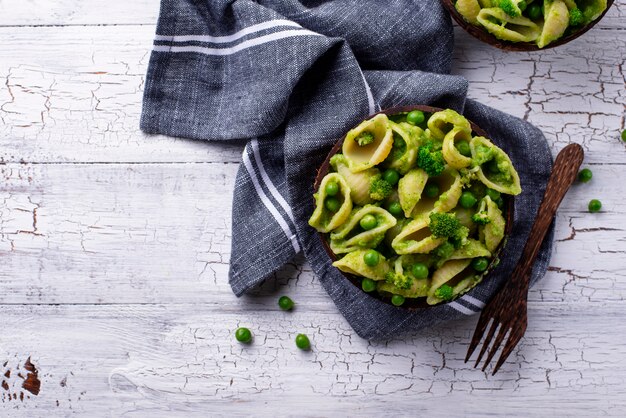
x=114 y=247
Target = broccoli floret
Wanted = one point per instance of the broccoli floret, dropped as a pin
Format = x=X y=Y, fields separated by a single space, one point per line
x=446 y=225
x=445 y=292
x=364 y=138
x=430 y=160
x=481 y=218
x=509 y=7
x=379 y=188
x=400 y=281
x=576 y=17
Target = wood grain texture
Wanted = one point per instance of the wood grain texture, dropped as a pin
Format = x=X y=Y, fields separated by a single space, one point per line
x=114 y=247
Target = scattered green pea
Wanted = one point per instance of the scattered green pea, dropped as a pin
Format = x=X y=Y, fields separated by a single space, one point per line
x=594 y=205
x=415 y=117
x=397 y=300
x=464 y=148
x=368 y=285
x=332 y=204
x=368 y=222
x=480 y=264
x=624 y=135
x=371 y=258
x=395 y=209
x=243 y=335
x=332 y=188
x=391 y=176
x=468 y=200
x=285 y=303
x=535 y=11
x=431 y=190
x=585 y=175
x=493 y=194
x=302 y=342
x=419 y=270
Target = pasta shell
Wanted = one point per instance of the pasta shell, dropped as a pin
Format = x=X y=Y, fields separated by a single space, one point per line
x=324 y=220
x=451 y=186
x=351 y=237
x=505 y=27
x=556 y=21
x=492 y=233
x=472 y=249
x=362 y=157
x=469 y=9
x=451 y=154
x=406 y=140
x=442 y=122
x=506 y=180
x=416 y=237
x=353 y=263
x=402 y=266
x=410 y=189
x=451 y=273
x=359 y=182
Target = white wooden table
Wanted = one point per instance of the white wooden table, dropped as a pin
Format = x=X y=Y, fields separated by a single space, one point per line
x=114 y=247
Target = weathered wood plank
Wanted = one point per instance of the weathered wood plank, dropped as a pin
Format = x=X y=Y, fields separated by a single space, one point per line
x=132 y=360
x=74 y=94
x=160 y=233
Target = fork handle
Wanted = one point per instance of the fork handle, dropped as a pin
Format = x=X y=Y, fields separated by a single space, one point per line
x=563 y=175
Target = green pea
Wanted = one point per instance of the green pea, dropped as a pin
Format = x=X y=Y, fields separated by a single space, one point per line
x=522 y=5
x=468 y=200
x=463 y=147
x=302 y=342
x=624 y=135
x=595 y=205
x=492 y=166
x=431 y=190
x=391 y=176
x=415 y=117
x=368 y=222
x=243 y=335
x=332 y=204
x=368 y=285
x=500 y=202
x=535 y=11
x=332 y=188
x=419 y=270
x=397 y=300
x=285 y=303
x=480 y=264
x=371 y=258
x=493 y=194
x=584 y=175
x=395 y=209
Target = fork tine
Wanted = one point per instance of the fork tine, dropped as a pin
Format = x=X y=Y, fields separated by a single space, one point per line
x=492 y=330
x=496 y=345
x=516 y=335
x=483 y=321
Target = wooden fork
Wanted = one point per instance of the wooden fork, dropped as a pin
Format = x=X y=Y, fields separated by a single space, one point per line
x=507 y=309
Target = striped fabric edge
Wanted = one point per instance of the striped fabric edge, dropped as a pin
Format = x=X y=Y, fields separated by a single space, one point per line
x=460 y=308
x=228 y=38
x=280 y=220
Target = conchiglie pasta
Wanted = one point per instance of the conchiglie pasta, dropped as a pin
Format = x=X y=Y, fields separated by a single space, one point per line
x=410 y=189
x=416 y=237
x=469 y=9
x=323 y=219
x=450 y=187
x=556 y=21
x=495 y=170
x=351 y=237
x=472 y=249
x=450 y=152
x=455 y=273
x=368 y=144
x=353 y=263
x=442 y=122
x=492 y=233
x=405 y=145
x=402 y=267
x=505 y=27
x=359 y=182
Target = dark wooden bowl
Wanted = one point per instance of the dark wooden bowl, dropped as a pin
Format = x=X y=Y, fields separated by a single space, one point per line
x=483 y=35
x=419 y=303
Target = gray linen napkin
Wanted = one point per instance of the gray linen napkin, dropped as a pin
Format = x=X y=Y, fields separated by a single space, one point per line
x=291 y=77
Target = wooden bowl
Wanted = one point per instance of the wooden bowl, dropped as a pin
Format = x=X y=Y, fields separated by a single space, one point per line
x=483 y=35
x=418 y=303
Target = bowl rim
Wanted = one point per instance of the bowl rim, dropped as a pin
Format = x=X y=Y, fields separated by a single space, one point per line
x=411 y=304
x=483 y=35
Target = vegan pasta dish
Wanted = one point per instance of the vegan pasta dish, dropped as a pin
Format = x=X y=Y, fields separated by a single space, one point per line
x=536 y=21
x=413 y=205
